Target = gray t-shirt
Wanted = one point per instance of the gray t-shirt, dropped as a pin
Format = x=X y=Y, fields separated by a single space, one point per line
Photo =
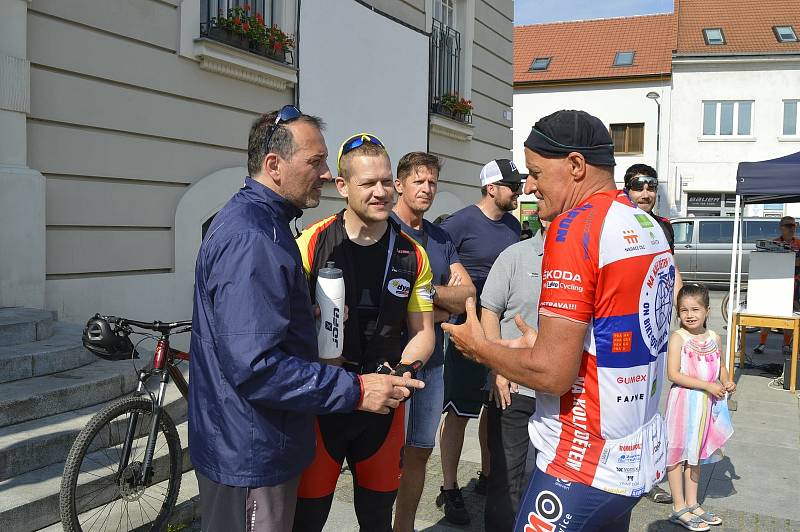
x=513 y=287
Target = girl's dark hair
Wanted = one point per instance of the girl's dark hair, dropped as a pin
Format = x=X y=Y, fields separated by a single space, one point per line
x=694 y=290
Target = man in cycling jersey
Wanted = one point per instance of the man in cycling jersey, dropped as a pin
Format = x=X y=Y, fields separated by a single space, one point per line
x=387 y=280
x=597 y=358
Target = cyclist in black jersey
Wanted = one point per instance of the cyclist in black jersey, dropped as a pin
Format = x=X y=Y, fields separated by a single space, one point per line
x=387 y=289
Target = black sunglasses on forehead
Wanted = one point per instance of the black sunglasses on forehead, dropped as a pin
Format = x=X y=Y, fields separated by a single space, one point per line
x=638 y=183
x=286 y=114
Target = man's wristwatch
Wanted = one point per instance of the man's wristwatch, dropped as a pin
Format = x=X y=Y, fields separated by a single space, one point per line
x=433 y=292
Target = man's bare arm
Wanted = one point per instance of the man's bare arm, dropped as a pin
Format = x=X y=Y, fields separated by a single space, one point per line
x=421 y=337
x=452 y=297
x=490 y=322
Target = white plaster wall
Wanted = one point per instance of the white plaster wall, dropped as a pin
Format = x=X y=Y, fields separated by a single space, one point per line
x=613 y=103
x=383 y=92
x=701 y=164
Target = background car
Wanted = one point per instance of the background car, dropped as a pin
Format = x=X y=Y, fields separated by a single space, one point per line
x=703 y=245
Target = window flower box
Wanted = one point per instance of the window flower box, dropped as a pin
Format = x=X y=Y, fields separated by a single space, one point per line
x=245 y=30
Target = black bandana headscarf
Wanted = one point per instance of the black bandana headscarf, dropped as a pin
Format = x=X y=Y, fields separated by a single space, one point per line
x=564 y=132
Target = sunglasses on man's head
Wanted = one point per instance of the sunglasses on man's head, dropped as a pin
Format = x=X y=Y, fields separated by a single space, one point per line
x=354 y=142
x=637 y=184
x=286 y=114
x=515 y=186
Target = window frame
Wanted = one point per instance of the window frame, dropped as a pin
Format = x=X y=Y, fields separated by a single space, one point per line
x=689 y=232
x=776 y=30
x=721 y=34
x=796 y=134
x=449 y=7
x=722 y=222
x=533 y=68
x=735 y=120
x=771 y=223
x=617 y=56
x=627 y=137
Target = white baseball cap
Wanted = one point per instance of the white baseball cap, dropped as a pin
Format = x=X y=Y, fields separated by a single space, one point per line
x=500 y=170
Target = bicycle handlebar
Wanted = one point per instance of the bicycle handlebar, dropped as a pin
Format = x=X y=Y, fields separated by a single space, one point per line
x=156 y=326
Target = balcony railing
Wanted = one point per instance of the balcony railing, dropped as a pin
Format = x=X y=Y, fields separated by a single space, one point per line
x=250 y=25
x=445 y=70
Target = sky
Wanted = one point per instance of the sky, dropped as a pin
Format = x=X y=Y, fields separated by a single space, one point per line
x=538 y=11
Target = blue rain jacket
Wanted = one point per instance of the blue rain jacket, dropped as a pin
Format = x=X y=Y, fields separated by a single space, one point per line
x=255 y=382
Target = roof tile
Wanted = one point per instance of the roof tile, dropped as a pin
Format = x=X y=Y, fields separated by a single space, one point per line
x=747 y=26
x=585 y=49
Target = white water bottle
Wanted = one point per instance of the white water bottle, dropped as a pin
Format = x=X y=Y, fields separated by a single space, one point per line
x=330 y=298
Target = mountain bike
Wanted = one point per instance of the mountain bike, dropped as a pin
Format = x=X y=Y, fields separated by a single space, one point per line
x=124 y=468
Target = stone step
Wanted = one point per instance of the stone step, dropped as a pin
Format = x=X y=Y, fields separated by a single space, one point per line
x=40 y=442
x=39 y=397
x=187 y=507
x=31 y=501
x=62 y=351
x=22 y=325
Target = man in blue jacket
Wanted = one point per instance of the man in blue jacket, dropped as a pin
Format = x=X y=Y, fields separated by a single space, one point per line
x=256 y=383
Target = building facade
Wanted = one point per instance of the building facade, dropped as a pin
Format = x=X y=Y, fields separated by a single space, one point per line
x=735 y=92
x=124 y=126
x=724 y=88
x=624 y=79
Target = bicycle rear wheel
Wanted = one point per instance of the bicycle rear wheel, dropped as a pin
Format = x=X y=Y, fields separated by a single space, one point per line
x=96 y=495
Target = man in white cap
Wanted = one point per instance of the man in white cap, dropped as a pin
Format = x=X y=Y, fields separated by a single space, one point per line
x=480 y=233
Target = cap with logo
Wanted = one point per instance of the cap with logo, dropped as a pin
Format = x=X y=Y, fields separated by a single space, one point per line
x=500 y=170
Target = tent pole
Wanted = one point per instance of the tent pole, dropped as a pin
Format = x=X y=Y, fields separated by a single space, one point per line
x=739 y=264
x=734 y=303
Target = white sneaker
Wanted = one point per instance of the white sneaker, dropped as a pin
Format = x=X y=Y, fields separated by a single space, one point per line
x=759 y=349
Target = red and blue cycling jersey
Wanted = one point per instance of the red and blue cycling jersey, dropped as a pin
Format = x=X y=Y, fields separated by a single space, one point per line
x=608 y=264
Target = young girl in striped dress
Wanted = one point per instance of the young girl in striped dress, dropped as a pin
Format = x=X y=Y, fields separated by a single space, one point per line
x=698 y=422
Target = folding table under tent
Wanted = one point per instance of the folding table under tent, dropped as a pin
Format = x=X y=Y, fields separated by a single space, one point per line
x=772 y=181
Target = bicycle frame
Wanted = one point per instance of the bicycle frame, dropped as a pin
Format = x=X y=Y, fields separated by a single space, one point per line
x=163 y=366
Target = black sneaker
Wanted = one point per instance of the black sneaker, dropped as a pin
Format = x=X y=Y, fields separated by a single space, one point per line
x=453 y=502
x=482 y=484
x=659 y=495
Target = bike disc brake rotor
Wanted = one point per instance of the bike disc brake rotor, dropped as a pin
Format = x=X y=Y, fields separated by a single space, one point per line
x=130 y=486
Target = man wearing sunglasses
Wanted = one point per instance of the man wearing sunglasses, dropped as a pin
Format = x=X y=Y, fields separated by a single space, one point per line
x=387 y=280
x=256 y=381
x=641 y=184
x=480 y=232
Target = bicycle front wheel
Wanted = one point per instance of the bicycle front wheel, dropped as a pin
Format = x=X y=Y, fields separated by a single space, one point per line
x=96 y=494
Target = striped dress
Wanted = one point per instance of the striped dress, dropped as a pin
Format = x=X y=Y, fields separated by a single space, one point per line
x=694 y=433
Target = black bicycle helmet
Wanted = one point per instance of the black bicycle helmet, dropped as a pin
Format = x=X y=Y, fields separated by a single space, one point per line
x=103 y=340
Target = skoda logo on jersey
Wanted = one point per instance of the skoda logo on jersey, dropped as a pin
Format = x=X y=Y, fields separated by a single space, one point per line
x=655 y=303
x=399 y=287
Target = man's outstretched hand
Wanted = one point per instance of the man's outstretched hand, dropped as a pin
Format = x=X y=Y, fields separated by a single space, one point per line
x=382 y=392
x=527 y=339
x=468 y=337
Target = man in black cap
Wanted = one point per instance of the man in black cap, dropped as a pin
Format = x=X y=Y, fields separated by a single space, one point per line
x=480 y=232
x=597 y=359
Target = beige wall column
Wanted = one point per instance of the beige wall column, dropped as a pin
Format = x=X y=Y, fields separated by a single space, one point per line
x=22 y=189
